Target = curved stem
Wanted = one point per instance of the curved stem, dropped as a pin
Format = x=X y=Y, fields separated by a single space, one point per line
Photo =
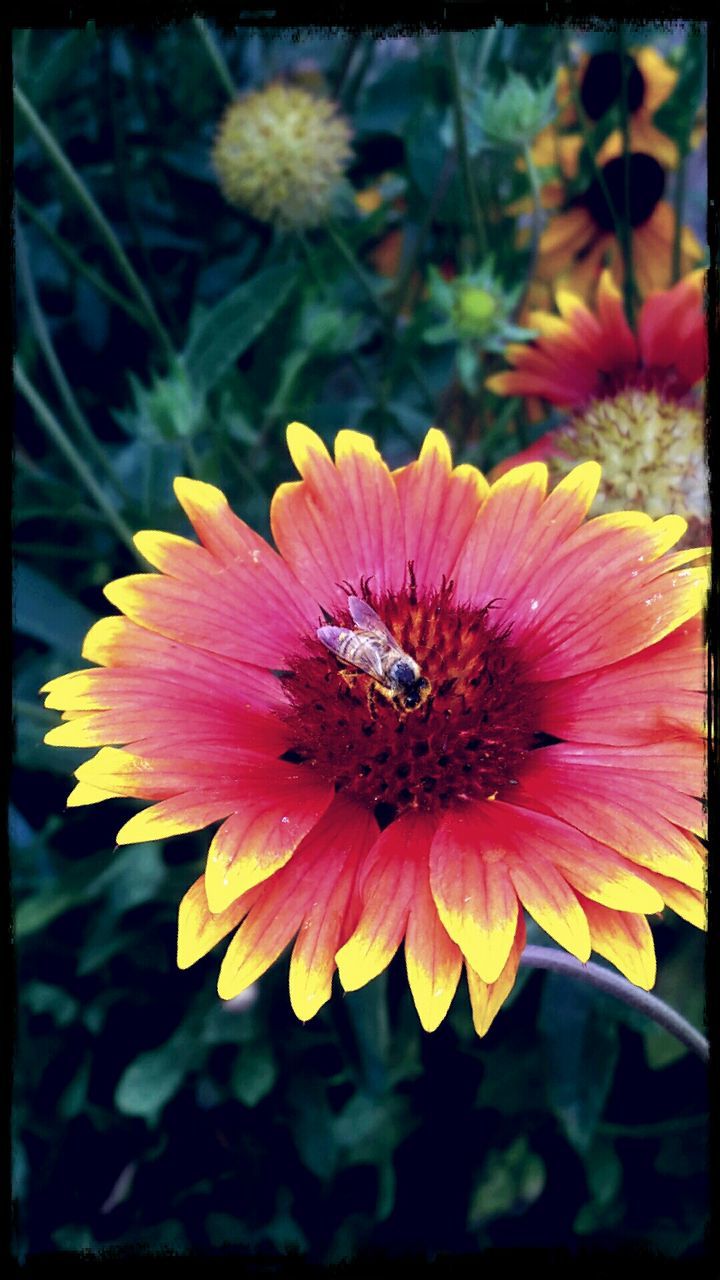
x=56 y=432
x=627 y=235
x=75 y=261
x=216 y=56
x=605 y=980
x=536 y=191
x=94 y=213
x=44 y=340
x=461 y=146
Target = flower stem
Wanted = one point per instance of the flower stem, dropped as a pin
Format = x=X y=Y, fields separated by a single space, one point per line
x=679 y=208
x=216 y=56
x=461 y=144
x=387 y=319
x=614 y=985
x=75 y=261
x=587 y=133
x=626 y=240
x=57 y=434
x=95 y=214
x=537 y=206
x=44 y=341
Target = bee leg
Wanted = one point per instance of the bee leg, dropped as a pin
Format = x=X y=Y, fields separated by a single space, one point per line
x=349 y=676
x=372 y=706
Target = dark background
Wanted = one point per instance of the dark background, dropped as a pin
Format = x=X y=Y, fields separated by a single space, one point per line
x=146 y=1113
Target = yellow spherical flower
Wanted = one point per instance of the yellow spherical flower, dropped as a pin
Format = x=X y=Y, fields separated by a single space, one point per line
x=279 y=154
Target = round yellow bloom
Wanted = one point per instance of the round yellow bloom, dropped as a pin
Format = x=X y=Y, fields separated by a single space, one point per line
x=279 y=154
x=652 y=454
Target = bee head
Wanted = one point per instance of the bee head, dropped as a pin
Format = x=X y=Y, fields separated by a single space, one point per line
x=414 y=694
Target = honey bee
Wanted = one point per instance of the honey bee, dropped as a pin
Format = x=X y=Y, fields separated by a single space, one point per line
x=375 y=652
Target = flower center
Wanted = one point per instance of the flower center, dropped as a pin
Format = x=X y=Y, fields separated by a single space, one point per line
x=602 y=84
x=645 y=186
x=652 y=452
x=466 y=741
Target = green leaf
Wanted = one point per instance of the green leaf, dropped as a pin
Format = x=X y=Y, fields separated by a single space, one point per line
x=43 y=611
x=254 y=1073
x=510 y=1180
x=313 y=1127
x=152 y=1080
x=225 y=332
x=42 y=997
x=679 y=985
x=580 y=1051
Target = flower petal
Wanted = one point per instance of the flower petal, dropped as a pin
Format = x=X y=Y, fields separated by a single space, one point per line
x=343 y=522
x=433 y=960
x=387 y=888
x=323 y=863
x=486 y=998
x=327 y=921
x=438 y=506
x=199 y=930
x=552 y=903
x=261 y=835
x=625 y=940
x=472 y=888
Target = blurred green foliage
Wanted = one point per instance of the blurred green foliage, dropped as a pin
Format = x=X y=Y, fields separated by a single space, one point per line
x=145 y=1111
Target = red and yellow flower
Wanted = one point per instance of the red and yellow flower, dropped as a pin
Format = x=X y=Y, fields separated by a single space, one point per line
x=555 y=769
x=633 y=396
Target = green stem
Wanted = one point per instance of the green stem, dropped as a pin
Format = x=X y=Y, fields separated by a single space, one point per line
x=626 y=242
x=461 y=145
x=657 y=1129
x=95 y=214
x=216 y=56
x=42 y=334
x=537 y=206
x=75 y=261
x=55 y=431
x=613 y=984
x=589 y=141
x=404 y=279
x=679 y=208
x=387 y=319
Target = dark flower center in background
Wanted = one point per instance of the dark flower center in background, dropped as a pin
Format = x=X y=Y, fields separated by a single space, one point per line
x=468 y=741
x=602 y=84
x=646 y=183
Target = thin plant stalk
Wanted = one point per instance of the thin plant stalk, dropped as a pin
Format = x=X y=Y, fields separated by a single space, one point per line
x=44 y=340
x=626 y=241
x=587 y=133
x=461 y=144
x=84 y=197
x=216 y=56
x=60 y=439
x=75 y=261
x=679 y=210
x=387 y=319
x=535 y=189
x=613 y=984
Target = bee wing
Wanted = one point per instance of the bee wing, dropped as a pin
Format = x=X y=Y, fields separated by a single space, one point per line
x=365 y=617
x=344 y=644
x=334 y=638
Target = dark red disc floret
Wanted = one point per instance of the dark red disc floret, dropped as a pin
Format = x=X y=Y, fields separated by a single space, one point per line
x=468 y=740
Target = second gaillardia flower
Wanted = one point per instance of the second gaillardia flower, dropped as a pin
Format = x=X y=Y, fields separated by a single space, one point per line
x=551 y=762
